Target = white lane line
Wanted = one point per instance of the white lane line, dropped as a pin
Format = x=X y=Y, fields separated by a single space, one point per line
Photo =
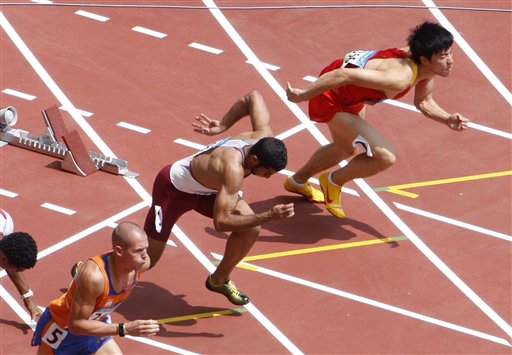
x=189 y=143
x=19 y=94
x=57 y=208
x=479 y=63
x=94 y=228
x=52 y=86
x=8 y=193
x=390 y=214
x=453 y=222
x=266 y=65
x=309 y=78
x=470 y=125
x=368 y=301
x=149 y=32
x=160 y=345
x=198 y=254
x=205 y=48
x=71 y=108
x=66 y=103
x=92 y=16
x=20 y=311
x=133 y=127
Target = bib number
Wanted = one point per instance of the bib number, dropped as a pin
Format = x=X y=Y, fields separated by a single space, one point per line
x=357 y=58
x=54 y=336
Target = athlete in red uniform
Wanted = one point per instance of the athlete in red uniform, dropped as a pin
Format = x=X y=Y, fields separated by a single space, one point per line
x=340 y=94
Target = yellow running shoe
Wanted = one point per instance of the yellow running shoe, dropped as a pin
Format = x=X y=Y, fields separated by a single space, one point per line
x=332 y=194
x=306 y=190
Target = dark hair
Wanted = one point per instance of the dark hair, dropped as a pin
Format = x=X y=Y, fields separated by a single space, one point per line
x=271 y=153
x=427 y=39
x=20 y=249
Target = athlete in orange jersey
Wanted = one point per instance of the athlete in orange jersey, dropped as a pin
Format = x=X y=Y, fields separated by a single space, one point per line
x=78 y=322
x=338 y=98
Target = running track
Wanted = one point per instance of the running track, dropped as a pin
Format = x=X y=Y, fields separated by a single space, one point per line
x=421 y=265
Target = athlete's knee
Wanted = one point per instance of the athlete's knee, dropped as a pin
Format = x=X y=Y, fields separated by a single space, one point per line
x=250 y=234
x=384 y=158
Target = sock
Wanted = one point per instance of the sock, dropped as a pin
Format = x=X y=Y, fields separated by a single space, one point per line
x=330 y=180
x=294 y=182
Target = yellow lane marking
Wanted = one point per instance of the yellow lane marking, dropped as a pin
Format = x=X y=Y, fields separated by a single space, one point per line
x=324 y=248
x=398 y=189
x=202 y=315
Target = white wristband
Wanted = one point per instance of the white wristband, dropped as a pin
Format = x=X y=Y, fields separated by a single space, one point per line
x=27 y=295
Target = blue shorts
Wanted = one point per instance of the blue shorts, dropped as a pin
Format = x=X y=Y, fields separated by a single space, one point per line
x=57 y=340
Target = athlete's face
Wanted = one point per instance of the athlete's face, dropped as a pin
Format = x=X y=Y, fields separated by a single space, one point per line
x=137 y=253
x=261 y=171
x=441 y=63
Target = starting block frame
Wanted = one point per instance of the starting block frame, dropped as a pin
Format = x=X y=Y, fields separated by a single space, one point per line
x=75 y=157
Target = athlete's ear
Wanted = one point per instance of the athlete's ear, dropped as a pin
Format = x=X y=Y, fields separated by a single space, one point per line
x=118 y=250
x=424 y=60
x=254 y=160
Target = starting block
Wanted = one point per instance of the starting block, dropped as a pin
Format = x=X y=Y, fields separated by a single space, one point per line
x=57 y=141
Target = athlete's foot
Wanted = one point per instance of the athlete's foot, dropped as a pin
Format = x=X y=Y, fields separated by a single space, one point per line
x=229 y=290
x=332 y=194
x=306 y=190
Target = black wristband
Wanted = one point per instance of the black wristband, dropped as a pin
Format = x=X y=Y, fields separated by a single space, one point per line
x=120 y=329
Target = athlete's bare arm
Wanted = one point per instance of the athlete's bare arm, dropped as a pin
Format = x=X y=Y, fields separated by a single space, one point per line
x=90 y=285
x=388 y=77
x=251 y=105
x=424 y=101
x=19 y=280
x=226 y=216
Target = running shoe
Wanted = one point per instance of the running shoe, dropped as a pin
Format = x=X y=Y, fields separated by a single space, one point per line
x=306 y=190
x=332 y=194
x=229 y=290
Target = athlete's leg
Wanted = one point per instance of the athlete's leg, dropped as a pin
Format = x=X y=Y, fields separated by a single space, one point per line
x=168 y=204
x=237 y=247
x=345 y=128
x=109 y=348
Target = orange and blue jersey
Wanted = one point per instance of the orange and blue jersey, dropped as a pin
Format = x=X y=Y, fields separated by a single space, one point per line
x=52 y=328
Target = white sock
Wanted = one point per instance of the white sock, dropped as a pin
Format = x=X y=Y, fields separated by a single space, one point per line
x=330 y=180
x=295 y=183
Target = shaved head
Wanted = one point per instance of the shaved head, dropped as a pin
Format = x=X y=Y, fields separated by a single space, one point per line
x=126 y=233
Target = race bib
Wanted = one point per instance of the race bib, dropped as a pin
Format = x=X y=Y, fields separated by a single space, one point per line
x=54 y=336
x=357 y=58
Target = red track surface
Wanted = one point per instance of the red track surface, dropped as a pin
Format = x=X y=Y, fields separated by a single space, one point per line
x=381 y=298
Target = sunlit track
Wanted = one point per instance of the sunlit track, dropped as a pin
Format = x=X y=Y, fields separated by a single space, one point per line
x=131 y=77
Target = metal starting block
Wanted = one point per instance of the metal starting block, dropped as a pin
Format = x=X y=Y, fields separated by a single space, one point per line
x=60 y=143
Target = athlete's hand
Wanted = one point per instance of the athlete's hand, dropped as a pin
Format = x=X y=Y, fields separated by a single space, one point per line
x=143 y=328
x=206 y=125
x=282 y=211
x=33 y=308
x=457 y=122
x=294 y=94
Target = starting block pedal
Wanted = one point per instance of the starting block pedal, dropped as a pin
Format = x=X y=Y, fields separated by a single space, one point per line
x=77 y=159
x=56 y=128
x=60 y=143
